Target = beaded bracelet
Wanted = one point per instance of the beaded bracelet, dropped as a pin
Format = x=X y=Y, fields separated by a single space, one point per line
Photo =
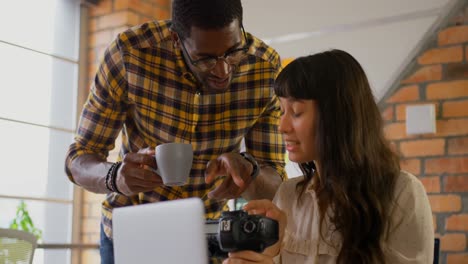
x=111 y=178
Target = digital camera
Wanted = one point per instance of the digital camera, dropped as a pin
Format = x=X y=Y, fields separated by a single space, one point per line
x=237 y=230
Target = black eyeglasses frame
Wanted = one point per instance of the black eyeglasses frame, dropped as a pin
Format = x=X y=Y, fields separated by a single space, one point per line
x=224 y=57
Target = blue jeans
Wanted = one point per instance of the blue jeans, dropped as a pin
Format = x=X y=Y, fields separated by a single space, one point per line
x=106 y=249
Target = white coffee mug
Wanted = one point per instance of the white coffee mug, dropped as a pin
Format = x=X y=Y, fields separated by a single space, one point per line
x=174 y=161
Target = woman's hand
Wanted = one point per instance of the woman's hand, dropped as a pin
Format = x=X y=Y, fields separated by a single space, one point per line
x=269 y=209
x=247 y=256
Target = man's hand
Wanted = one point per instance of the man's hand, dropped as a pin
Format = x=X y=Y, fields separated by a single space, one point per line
x=237 y=173
x=136 y=174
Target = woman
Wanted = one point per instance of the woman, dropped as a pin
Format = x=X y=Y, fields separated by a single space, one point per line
x=353 y=204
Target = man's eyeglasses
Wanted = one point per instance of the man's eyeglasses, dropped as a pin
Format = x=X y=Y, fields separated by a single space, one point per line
x=232 y=57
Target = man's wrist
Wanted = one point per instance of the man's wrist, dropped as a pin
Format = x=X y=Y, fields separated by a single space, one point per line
x=111 y=178
x=256 y=168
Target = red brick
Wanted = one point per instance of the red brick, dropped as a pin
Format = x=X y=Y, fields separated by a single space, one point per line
x=445 y=203
x=92 y=25
x=446 y=165
x=452 y=127
x=91 y=210
x=92 y=69
x=90 y=225
x=100 y=38
x=456 y=71
x=104 y=7
x=113 y=20
x=405 y=94
x=411 y=165
x=85 y=210
x=466 y=53
x=92 y=55
x=458 y=145
x=453 y=35
x=395 y=131
x=162 y=3
x=133 y=18
x=424 y=74
x=423 y=148
x=456 y=183
x=401 y=109
x=442 y=55
x=91 y=238
x=431 y=184
x=144 y=19
x=457 y=258
x=93 y=197
x=447 y=90
x=120 y=5
x=455 y=109
x=95 y=54
x=90 y=256
x=148 y=10
x=138 y=6
x=116 y=31
x=162 y=13
x=457 y=222
x=453 y=242
x=388 y=114
x=434 y=222
x=95 y=210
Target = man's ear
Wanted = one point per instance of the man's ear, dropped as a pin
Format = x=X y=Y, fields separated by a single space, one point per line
x=175 y=38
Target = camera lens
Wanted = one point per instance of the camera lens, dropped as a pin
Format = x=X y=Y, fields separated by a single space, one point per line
x=249 y=227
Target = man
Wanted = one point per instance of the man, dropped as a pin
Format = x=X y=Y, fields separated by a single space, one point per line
x=199 y=78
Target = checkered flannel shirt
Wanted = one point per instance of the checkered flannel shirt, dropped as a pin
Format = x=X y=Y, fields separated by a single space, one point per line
x=144 y=89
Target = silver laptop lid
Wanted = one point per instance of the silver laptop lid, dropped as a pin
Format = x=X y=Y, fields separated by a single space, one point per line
x=163 y=232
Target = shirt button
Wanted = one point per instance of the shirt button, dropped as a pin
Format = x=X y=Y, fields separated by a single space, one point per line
x=188 y=76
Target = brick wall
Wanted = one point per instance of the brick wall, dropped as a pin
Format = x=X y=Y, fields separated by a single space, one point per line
x=440 y=160
x=106 y=20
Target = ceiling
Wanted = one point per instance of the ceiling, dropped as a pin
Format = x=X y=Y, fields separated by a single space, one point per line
x=383 y=35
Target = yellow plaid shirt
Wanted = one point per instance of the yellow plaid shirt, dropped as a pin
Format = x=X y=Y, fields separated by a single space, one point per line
x=144 y=89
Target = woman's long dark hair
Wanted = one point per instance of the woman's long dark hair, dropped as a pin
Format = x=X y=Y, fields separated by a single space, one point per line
x=358 y=169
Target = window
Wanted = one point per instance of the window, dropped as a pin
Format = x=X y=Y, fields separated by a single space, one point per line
x=39 y=44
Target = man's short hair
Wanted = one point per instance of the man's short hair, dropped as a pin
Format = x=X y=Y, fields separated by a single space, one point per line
x=204 y=14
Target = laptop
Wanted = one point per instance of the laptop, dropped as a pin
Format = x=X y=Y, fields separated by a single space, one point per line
x=163 y=232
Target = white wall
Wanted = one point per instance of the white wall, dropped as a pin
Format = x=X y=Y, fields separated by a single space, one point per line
x=380 y=34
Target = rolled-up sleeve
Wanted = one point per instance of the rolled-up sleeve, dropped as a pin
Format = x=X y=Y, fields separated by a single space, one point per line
x=104 y=111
